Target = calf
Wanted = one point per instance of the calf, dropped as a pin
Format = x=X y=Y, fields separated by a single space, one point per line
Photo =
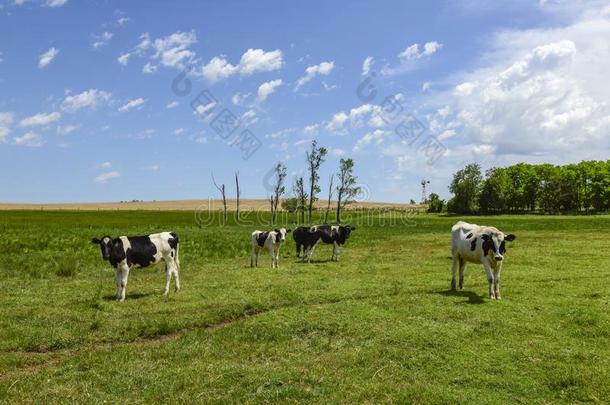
x=306 y=239
x=479 y=244
x=334 y=234
x=271 y=240
x=126 y=252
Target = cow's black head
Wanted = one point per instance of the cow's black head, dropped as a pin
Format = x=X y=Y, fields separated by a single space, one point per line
x=105 y=245
x=495 y=243
x=344 y=232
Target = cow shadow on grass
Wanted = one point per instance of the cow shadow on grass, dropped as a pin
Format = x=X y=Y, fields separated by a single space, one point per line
x=473 y=298
x=129 y=296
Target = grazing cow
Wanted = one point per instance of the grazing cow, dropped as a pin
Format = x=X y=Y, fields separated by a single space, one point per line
x=271 y=240
x=306 y=239
x=334 y=234
x=479 y=244
x=126 y=252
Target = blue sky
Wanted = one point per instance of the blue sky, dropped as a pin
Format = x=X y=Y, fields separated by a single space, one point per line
x=87 y=111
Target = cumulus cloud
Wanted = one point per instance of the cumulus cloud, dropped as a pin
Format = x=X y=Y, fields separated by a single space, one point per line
x=91 y=98
x=102 y=39
x=170 y=51
x=252 y=61
x=413 y=51
x=6 y=120
x=55 y=3
x=366 y=65
x=239 y=99
x=104 y=177
x=46 y=58
x=131 y=104
x=39 y=119
x=29 y=139
x=67 y=129
x=267 y=88
x=172 y=104
x=323 y=69
x=104 y=165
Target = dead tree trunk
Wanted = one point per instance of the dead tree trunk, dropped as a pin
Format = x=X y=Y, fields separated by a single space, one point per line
x=330 y=196
x=237 y=201
x=221 y=188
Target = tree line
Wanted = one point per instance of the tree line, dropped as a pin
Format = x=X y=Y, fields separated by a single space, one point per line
x=526 y=188
x=305 y=190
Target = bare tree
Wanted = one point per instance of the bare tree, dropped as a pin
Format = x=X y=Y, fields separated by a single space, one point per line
x=301 y=196
x=278 y=189
x=221 y=188
x=330 y=196
x=237 y=193
x=314 y=159
x=347 y=189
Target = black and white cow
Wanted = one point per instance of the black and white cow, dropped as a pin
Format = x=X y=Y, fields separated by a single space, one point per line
x=306 y=240
x=336 y=235
x=126 y=252
x=271 y=240
x=479 y=244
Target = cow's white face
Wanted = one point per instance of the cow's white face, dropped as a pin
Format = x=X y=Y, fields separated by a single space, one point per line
x=281 y=234
x=494 y=244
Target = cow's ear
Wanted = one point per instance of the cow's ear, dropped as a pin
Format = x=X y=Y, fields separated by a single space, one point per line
x=486 y=236
x=510 y=237
x=277 y=230
x=288 y=230
x=95 y=241
x=353 y=228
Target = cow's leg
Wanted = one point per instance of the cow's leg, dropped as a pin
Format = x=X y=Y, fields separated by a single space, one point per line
x=272 y=254
x=497 y=280
x=490 y=277
x=462 y=269
x=299 y=247
x=174 y=269
x=118 y=283
x=335 y=251
x=168 y=278
x=124 y=276
x=310 y=253
x=253 y=256
x=453 y=271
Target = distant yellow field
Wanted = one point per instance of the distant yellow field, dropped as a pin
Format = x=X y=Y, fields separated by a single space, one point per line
x=184 y=205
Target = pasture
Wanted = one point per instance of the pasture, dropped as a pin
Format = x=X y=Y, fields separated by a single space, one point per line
x=378 y=326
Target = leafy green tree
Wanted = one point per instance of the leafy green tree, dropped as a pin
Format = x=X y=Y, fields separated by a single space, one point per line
x=347 y=189
x=435 y=204
x=315 y=158
x=465 y=187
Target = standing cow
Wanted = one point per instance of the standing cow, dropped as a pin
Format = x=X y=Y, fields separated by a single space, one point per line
x=126 y=252
x=270 y=240
x=306 y=240
x=336 y=235
x=479 y=244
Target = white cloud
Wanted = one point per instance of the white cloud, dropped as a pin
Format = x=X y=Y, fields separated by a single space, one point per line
x=172 y=104
x=102 y=39
x=252 y=61
x=257 y=60
x=267 y=88
x=337 y=152
x=202 y=109
x=337 y=121
x=1 y=60
x=366 y=65
x=47 y=57
x=55 y=3
x=170 y=51
x=124 y=58
x=91 y=98
x=217 y=69
x=539 y=95
x=412 y=52
x=323 y=69
x=104 y=177
x=123 y=20
x=131 y=104
x=67 y=129
x=6 y=120
x=30 y=139
x=39 y=119
x=376 y=137
x=179 y=131
x=249 y=117
x=238 y=98
x=104 y=165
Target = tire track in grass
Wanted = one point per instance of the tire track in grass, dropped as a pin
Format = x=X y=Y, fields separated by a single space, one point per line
x=55 y=356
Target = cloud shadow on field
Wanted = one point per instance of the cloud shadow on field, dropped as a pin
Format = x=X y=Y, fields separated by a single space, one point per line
x=473 y=298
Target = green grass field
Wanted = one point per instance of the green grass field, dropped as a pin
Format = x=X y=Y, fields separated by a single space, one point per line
x=378 y=326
